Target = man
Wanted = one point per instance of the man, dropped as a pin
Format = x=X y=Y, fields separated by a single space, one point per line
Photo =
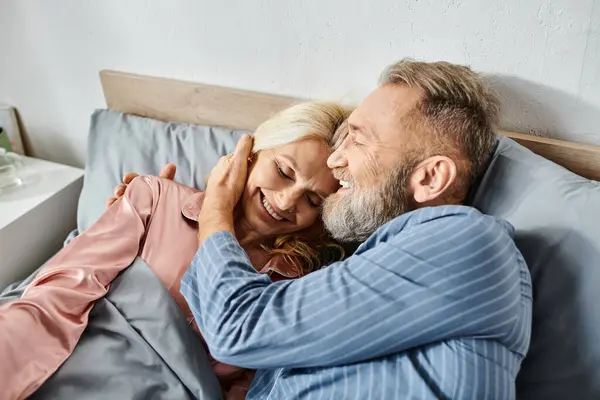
x=435 y=303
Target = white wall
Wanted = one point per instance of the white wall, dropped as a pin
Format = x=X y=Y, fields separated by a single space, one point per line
x=543 y=55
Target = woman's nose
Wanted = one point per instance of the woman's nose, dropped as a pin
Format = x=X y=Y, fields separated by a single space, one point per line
x=286 y=200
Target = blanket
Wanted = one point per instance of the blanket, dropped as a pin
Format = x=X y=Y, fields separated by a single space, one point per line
x=137 y=345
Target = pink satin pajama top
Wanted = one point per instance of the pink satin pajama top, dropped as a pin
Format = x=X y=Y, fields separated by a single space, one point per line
x=155 y=220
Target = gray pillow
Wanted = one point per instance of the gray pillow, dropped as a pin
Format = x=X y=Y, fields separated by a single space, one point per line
x=557 y=219
x=119 y=143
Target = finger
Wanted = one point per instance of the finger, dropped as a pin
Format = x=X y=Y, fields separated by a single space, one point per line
x=119 y=190
x=243 y=149
x=110 y=201
x=168 y=171
x=225 y=160
x=128 y=177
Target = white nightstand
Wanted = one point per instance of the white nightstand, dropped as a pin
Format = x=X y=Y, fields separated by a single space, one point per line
x=36 y=217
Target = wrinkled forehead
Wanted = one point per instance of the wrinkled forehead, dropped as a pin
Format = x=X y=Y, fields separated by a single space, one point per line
x=384 y=110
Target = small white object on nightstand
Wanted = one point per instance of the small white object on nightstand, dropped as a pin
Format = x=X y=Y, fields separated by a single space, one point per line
x=36 y=216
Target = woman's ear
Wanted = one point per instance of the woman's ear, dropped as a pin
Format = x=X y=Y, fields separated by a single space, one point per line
x=432 y=178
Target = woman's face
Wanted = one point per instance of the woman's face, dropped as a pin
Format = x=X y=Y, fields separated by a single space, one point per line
x=286 y=187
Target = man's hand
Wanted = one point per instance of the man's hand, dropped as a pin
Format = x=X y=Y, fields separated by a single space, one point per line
x=168 y=172
x=223 y=190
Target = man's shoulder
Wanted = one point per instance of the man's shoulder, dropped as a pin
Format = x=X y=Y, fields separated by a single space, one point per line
x=443 y=220
x=461 y=228
x=454 y=214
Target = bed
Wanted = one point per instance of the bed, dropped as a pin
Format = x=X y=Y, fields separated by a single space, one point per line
x=548 y=189
x=196 y=103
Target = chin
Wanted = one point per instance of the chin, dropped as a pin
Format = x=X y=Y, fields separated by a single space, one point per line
x=339 y=195
x=259 y=221
x=266 y=230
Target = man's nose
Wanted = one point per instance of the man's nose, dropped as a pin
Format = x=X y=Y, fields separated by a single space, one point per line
x=337 y=159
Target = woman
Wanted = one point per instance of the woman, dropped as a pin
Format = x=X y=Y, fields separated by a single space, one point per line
x=154 y=220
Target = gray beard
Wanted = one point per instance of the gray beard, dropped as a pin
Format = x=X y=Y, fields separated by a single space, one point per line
x=353 y=217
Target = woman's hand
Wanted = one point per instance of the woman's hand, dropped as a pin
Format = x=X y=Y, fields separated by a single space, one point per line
x=168 y=172
x=224 y=189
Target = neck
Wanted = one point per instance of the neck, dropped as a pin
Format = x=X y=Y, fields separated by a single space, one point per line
x=246 y=236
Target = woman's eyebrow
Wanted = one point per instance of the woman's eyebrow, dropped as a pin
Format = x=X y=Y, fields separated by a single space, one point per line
x=291 y=161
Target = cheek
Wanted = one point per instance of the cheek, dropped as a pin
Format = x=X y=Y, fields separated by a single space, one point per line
x=355 y=159
x=255 y=171
x=252 y=186
x=261 y=176
x=364 y=167
x=307 y=217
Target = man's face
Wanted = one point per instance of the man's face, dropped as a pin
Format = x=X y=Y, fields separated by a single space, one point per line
x=373 y=164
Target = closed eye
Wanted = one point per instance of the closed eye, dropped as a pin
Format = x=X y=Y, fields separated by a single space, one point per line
x=281 y=173
x=356 y=143
x=314 y=200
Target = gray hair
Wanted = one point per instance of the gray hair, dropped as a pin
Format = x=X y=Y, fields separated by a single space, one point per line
x=456 y=117
x=458 y=113
x=353 y=218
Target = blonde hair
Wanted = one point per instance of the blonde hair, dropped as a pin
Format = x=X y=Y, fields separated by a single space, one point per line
x=458 y=111
x=316 y=120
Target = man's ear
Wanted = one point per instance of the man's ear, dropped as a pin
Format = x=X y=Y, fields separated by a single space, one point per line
x=431 y=179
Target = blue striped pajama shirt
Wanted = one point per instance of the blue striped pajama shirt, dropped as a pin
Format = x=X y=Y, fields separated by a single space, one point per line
x=434 y=305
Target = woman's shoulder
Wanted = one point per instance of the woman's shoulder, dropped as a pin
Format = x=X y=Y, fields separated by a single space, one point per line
x=163 y=184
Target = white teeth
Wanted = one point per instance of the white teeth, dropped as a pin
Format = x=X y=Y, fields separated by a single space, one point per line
x=345 y=184
x=270 y=210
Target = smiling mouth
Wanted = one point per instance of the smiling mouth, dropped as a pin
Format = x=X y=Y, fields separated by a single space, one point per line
x=345 y=185
x=269 y=209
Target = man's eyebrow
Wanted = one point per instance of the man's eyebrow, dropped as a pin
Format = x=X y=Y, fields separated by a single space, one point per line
x=355 y=127
x=369 y=134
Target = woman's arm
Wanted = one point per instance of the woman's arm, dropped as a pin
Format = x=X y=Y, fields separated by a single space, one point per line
x=167 y=172
x=39 y=331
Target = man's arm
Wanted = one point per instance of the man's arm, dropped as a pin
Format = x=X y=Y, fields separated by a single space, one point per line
x=452 y=276
x=39 y=331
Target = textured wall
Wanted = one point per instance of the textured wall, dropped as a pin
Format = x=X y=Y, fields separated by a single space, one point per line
x=542 y=55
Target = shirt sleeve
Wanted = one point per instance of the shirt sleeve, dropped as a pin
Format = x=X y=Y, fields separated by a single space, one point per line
x=39 y=331
x=450 y=277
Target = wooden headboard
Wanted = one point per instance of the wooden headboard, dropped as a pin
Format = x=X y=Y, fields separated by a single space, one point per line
x=173 y=100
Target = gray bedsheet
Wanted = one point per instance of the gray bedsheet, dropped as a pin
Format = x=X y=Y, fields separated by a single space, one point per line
x=137 y=345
